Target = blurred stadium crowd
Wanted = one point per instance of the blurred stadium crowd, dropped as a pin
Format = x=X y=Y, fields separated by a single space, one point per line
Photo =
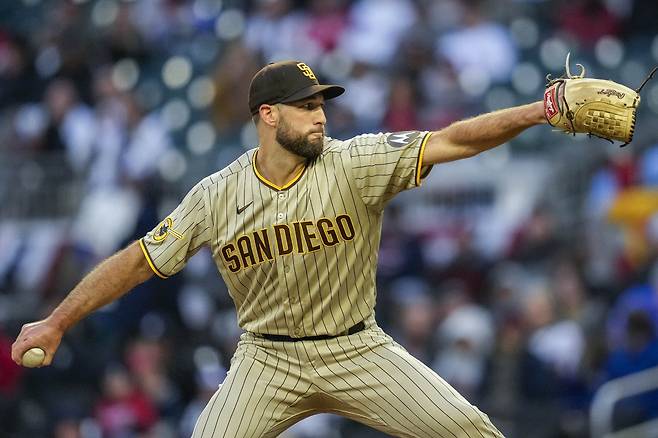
x=526 y=277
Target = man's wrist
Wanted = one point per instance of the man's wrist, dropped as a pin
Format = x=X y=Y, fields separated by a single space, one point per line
x=537 y=111
x=58 y=322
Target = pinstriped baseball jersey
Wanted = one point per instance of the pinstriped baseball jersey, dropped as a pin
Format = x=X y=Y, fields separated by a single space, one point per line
x=300 y=259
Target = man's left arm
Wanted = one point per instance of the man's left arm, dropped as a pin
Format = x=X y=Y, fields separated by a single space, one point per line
x=469 y=137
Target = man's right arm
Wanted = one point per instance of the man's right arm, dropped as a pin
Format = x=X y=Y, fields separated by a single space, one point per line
x=110 y=280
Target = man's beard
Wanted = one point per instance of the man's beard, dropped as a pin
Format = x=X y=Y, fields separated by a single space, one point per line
x=298 y=144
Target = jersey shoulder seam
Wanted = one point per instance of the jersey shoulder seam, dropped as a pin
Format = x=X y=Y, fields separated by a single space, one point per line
x=234 y=167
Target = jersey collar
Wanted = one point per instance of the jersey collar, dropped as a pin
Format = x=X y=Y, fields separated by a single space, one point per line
x=269 y=183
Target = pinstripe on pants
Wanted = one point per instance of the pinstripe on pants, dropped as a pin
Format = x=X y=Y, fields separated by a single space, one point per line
x=366 y=377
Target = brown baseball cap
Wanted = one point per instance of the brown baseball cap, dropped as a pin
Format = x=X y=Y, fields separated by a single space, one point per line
x=287 y=81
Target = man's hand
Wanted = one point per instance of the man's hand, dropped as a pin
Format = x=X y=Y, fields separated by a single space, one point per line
x=44 y=334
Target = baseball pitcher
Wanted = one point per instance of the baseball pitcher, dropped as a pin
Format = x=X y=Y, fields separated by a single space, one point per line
x=294 y=228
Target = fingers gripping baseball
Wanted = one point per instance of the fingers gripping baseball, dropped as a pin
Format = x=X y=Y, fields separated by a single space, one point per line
x=34 y=357
x=36 y=344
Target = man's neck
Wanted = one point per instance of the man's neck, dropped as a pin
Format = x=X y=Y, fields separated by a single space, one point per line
x=277 y=164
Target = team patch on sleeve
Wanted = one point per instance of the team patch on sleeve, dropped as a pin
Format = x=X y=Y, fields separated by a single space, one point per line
x=165 y=229
x=402 y=139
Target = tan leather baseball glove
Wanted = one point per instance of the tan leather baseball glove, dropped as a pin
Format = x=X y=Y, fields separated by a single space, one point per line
x=598 y=107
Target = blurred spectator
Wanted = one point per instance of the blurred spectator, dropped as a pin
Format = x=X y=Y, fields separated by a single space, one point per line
x=648 y=166
x=501 y=392
x=161 y=22
x=549 y=366
x=237 y=63
x=72 y=123
x=402 y=114
x=466 y=337
x=400 y=251
x=277 y=32
x=639 y=351
x=326 y=23
x=67 y=428
x=632 y=210
x=587 y=20
x=123 y=410
x=208 y=379
x=445 y=99
x=123 y=38
x=603 y=187
x=479 y=49
x=147 y=363
x=10 y=379
x=376 y=28
x=414 y=320
x=64 y=48
x=536 y=242
x=638 y=297
x=607 y=252
x=467 y=266
x=10 y=372
x=558 y=344
x=631 y=205
x=146 y=142
x=366 y=96
x=111 y=115
x=573 y=299
x=18 y=79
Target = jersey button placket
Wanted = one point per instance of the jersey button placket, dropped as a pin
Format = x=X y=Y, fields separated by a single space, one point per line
x=281 y=206
x=284 y=265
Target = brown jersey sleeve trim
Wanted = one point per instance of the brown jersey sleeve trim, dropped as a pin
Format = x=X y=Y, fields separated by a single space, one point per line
x=149 y=260
x=269 y=183
x=420 y=174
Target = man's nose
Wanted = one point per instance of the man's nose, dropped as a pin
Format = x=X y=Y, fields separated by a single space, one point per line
x=320 y=117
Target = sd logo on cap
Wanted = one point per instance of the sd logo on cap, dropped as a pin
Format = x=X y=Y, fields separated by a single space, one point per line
x=287 y=81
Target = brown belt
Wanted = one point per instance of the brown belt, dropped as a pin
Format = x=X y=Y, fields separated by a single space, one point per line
x=284 y=338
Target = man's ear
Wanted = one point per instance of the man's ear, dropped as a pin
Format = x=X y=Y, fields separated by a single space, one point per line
x=269 y=114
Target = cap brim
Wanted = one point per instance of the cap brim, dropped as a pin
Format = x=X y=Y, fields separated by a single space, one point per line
x=328 y=91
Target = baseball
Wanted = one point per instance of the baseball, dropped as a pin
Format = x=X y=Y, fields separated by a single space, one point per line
x=33 y=357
